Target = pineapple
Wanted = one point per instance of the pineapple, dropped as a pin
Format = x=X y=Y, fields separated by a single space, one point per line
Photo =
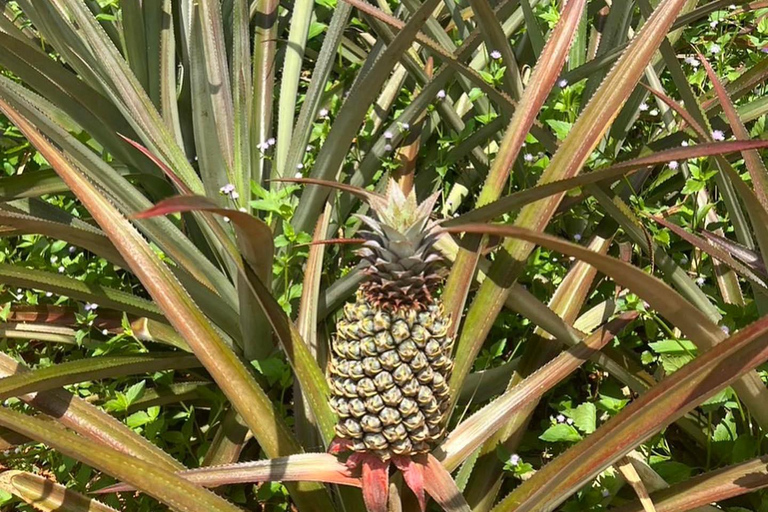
x=391 y=353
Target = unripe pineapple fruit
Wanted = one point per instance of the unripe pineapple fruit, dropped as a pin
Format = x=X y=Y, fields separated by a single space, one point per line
x=391 y=355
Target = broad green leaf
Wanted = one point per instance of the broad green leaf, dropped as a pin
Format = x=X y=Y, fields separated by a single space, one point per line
x=161 y=484
x=561 y=433
x=585 y=417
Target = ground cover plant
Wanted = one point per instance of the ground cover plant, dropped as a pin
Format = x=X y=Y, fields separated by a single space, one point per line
x=337 y=255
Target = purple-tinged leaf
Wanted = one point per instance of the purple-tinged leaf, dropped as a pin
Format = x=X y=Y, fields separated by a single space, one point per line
x=747 y=256
x=713 y=250
x=375 y=483
x=524 y=197
x=707 y=488
x=752 y=160
x=413 y=474
x=303 y=467
x=442 y=488
x=669 y=400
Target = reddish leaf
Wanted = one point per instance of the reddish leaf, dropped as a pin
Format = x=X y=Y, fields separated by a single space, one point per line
x=183 y=188
x=413 y=474
x=375 y=483
x=443 y=489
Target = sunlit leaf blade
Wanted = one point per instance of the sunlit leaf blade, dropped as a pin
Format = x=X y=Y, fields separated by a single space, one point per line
x=710 y=487
x=16 y=275
x=542 y=80
x=711 y=249
x=516 y=200
x=321 y=467
x=89 y=421
x=71 y=372
x=258 y=238
x=472 y=433
x=442 y=488
x=48 y=496
x=568 y=161
x=233 y=378
x=662 y=404
x=692 y=322
x=168 y=488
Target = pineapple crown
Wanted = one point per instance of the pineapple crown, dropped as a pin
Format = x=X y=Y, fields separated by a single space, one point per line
x=398 y=250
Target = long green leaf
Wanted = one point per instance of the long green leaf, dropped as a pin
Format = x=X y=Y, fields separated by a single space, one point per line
x=72 y=372
x=230 y=373
x=163 y=485
x=652 y=411
x=584 y=137
x=48 y=496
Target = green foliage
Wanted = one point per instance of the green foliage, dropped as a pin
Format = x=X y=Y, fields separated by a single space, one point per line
x=204 y=89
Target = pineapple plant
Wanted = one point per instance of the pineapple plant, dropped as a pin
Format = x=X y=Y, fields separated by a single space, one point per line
x=391 y=356
x=119 y=106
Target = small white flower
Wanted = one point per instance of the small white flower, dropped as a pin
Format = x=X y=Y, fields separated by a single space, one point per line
x=234 y=195
x=726 y=329
x=495 y=54
x=643 y=107
x=299 y=165
x=263 y=146
x=563 y=83
x=298 y=175
x=673 y=165
x=387 y=147
x=388 y=135
x=310 y=147
x=226 y=219
x=714 y=49
x=19 y=290
x=684 y=144
x=62 y=270
x=242 y=209
x=684 y=260
x=49 y=294
x=654 y=112
x=323 y=113
x=90 y=307
x=606 y=493
x=271 y=141
x=713 y=23
x=54 y=259
x=700 y=281
x=441 y=94
x=72 y=249
x=569 y=421
x=105 y=332
x=560 y=418
x=718 y=135
x=528 y=157
x=732 y=7
x=577 y=237
x=514 y=459
x=227 y=189
x=693 y=61
x=405 y=126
